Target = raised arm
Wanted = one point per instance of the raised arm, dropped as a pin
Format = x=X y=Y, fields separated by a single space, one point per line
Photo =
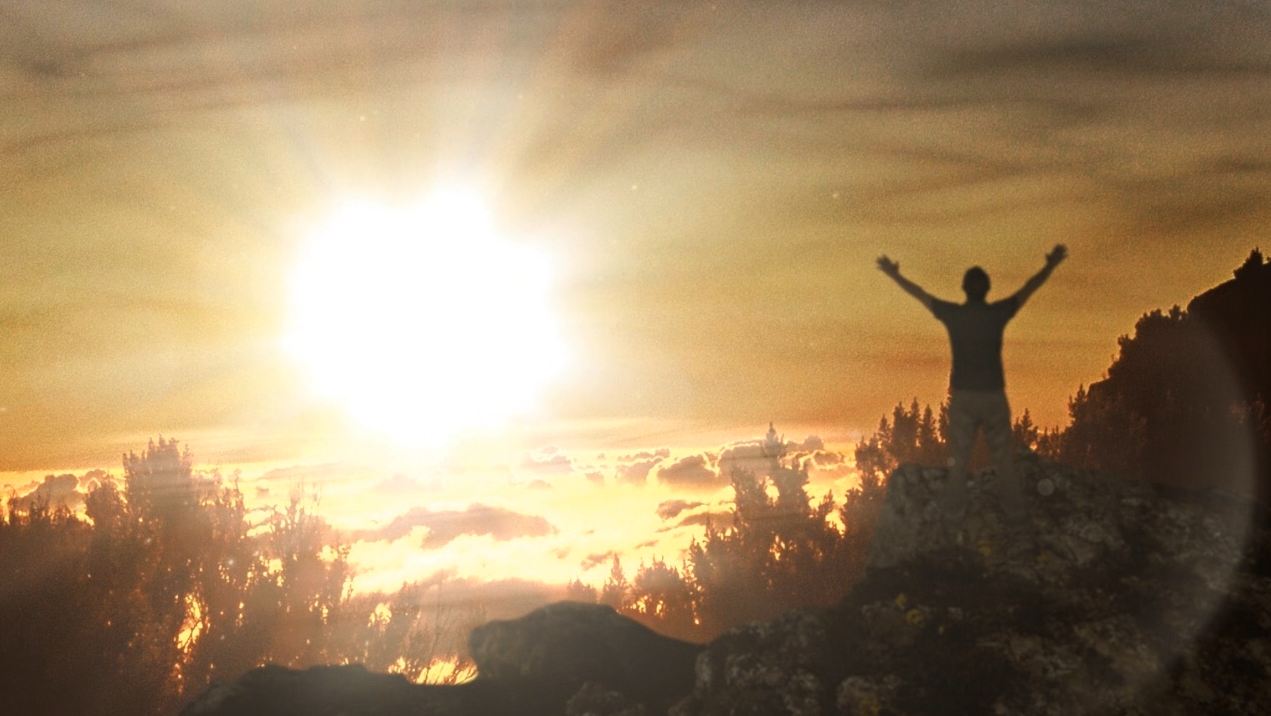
x=1053 y=259
x=892 y=269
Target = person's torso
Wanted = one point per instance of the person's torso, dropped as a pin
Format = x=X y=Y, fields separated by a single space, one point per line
x=975 y=333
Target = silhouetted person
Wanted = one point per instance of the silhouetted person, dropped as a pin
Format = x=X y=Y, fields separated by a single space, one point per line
x=977 y=385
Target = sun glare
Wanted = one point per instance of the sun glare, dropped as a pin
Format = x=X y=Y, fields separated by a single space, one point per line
x=423 y=321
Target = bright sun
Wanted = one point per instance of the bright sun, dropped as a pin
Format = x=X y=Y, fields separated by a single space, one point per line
x=422 y=321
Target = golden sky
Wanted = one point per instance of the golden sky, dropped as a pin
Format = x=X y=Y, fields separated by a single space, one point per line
x=712 y=180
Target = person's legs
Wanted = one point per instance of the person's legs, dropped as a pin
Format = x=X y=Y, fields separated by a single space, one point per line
x=962 y=422
x=997 y=432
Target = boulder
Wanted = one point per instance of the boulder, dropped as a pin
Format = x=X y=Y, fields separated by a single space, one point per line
x=570 y=643
x=318 y=691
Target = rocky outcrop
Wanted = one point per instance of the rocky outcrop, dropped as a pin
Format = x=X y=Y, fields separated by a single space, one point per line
x=320 y=691
x=571 y=643
x=1111 y=597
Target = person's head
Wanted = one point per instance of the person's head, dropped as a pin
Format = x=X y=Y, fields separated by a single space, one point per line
x=976 y=283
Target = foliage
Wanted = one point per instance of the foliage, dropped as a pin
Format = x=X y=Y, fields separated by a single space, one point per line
x=168 y=584
x=779 y=552
x=408 y=632
x=1171 y=408
x=912 y=435
x=782 y=551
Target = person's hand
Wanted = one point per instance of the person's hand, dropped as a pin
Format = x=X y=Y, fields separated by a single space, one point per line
x=1056 y=255
x=887 y=266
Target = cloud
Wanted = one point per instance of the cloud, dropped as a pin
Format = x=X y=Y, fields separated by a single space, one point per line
x=1108 y=54
x=596 y=558
x=445 y=526
x=660 y=453
x=812 y=442
x=56 y=491
x=828 y=463
x=636 y=469
x=754 y=455
x=633 y=33
x=764 y=104
x=717 y=519
x=91 y=479
x=691 y=471
x=827 y=458
x=747 y=455
x=1065 y=53
x=1191 y=205
x=636 y=473
x=548 y=461
x=744 y=450
x=670 y=508
x=546 y=467
x=307 y=473
x=813 y=454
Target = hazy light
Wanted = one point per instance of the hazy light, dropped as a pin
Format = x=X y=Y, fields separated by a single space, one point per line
x=422 y=321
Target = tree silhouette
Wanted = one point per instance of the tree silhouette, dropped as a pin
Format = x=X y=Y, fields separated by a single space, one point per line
x=913 y=435
x=167 y=583
x=617 y=590
x=662 y=595
x=783 y=551
x=779 y=552
x=1185 y=398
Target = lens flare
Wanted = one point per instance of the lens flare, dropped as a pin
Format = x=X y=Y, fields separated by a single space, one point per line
x=423 y=322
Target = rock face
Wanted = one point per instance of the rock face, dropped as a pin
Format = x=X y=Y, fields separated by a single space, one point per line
x=1112 y=597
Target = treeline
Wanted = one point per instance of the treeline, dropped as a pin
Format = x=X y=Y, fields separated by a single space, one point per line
x=1186 y=401
x=785 y=551
x=167 y=583
x=777 y=551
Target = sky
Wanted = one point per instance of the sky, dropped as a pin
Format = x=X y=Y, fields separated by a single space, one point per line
x=711 y=182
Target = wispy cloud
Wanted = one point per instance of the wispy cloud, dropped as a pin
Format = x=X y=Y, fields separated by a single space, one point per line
x=692 y=472
x=669 y=509
x=444 y=526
